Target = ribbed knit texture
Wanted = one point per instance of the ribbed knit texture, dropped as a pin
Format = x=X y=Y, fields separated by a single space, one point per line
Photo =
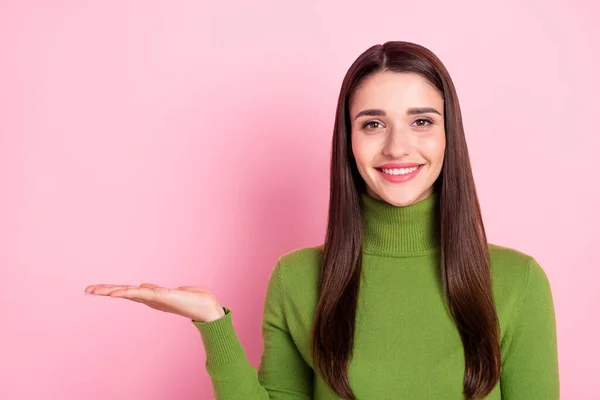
x=406 y=344
x=400 y=231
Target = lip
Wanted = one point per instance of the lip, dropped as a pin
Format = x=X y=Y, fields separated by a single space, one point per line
x=399 y=178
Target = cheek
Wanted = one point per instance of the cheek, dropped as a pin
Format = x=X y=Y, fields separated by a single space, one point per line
x=362 y=151
x=433 y=148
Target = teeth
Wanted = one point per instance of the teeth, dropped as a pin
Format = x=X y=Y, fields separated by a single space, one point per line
x=399 y=171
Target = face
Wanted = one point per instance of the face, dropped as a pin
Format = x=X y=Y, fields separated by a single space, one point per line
x=398 y=136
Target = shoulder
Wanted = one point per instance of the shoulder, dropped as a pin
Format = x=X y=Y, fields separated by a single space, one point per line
x=516 y=276
x=302 y=257
x=508 y=256
x=514 y=265
x=299 y=269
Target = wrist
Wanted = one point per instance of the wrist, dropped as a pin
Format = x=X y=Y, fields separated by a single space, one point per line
x=218 y=313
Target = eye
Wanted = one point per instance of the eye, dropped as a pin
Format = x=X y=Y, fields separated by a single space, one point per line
x=369 y=123
x=425 y=122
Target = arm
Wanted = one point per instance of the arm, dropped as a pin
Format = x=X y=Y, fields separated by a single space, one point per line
x=282 y=373
x=529 y=348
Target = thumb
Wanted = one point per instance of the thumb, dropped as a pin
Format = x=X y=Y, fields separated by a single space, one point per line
x=148 y=285
x=193 y=289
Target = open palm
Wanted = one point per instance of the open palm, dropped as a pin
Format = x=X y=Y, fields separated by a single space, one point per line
x=188 y=301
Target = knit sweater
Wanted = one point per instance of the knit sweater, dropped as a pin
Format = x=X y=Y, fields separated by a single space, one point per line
x=406 y=344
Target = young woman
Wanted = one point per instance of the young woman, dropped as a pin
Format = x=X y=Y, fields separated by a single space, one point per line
x=405 y=299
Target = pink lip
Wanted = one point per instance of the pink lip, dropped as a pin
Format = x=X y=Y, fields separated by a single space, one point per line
x=399 y=178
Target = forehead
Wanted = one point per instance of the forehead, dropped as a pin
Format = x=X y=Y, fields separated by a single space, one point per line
x=395 y=91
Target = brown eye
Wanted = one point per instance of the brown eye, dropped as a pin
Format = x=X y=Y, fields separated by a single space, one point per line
x=425 y=122
x=369 y=123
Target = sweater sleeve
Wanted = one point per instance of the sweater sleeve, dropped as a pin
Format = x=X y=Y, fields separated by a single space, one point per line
x=282 y=374
x=530 y=359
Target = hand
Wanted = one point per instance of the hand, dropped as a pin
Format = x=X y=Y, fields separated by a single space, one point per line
x=188 y=301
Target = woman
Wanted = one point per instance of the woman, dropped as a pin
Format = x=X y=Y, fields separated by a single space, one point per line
x=405 y=299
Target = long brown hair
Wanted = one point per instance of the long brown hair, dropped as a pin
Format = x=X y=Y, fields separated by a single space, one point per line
x=465 y=264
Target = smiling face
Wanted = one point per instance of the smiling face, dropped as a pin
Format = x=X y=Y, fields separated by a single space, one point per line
x=398 y=118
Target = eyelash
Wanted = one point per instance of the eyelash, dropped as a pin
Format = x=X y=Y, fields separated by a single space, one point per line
x=420 y=119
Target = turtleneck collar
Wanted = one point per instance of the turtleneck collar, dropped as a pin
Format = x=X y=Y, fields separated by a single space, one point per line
x=400 y=231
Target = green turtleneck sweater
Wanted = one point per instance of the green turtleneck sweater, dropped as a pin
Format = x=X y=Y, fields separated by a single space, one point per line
x=406 y=343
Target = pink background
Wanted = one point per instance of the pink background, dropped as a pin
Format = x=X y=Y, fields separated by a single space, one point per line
x=187 y=143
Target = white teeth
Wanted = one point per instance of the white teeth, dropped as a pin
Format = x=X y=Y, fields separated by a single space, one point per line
x=399 y=171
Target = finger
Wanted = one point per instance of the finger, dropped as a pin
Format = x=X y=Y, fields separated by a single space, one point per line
x=194 y=289
x=104 y=285
x=107 y=289
x=135 y=293
x=92 y=287
x=148 y=285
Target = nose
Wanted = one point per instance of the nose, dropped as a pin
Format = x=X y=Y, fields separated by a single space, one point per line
x=397 y=143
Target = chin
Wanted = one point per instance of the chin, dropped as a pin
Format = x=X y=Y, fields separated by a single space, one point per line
x=397 y=200
x=402 y=203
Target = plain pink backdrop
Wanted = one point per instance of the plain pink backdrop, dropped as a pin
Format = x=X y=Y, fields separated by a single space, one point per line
x=187 y=143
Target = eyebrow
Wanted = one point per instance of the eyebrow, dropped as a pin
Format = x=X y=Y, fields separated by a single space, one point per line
x=410 y=111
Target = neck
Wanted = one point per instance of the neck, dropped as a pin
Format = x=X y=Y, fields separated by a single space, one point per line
x=400 y=231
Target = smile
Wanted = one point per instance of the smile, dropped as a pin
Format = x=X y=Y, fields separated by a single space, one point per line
x=397 y=175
